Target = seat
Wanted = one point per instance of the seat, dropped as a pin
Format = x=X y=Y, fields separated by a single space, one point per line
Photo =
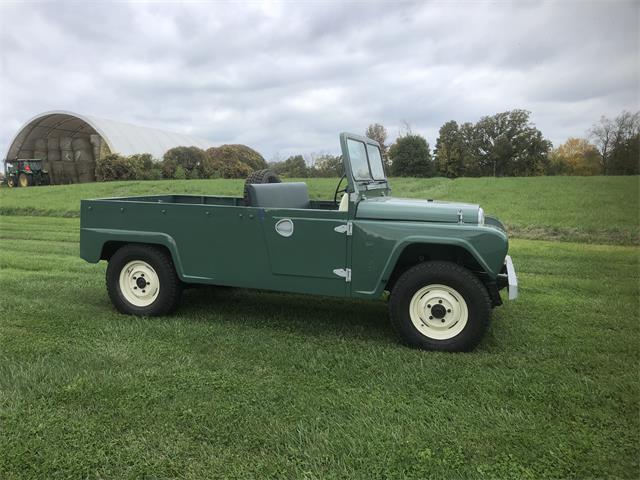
x=278 y=195
x=344 y=203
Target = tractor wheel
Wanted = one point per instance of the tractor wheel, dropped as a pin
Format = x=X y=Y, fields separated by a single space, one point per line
x=259 y=176
x=25 y=180
x=11 y=181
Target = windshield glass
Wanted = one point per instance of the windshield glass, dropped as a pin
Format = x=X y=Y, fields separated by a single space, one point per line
x=358 y=157
x=375 y=162
x=366 y=161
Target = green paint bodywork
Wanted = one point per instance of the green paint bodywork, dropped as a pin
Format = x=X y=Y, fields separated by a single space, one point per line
x=219 y=241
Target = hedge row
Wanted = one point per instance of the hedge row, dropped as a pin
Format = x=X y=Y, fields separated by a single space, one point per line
x=226 y=161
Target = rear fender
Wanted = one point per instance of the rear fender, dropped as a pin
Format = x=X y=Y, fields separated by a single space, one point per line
x=93 y=241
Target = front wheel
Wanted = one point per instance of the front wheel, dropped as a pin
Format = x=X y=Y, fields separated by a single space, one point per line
x=440 y=306
x=11 y=181
x=141 y=280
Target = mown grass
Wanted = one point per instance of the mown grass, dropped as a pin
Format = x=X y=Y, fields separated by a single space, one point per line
x=248 y=384
x=582 y=209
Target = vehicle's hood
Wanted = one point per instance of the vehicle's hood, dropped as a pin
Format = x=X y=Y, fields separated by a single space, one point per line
x=391 y=208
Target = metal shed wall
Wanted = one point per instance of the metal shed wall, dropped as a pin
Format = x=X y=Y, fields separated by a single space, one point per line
x=123 y=138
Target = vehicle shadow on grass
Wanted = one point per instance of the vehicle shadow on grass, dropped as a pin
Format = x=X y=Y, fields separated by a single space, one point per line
x=305 y=314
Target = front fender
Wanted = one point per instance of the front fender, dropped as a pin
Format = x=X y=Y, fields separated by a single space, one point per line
x=377 y=246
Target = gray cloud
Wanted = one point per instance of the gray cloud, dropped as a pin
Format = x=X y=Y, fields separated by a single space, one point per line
x=287 y=77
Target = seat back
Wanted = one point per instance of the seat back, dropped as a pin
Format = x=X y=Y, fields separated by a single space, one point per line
x=278 y=195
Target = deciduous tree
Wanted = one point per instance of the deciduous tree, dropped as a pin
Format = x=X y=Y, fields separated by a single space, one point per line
x=510 y=145
x=410 y=157
x=574 y=157
x=618 y=141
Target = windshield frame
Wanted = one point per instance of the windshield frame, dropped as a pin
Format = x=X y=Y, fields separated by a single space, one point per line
x=359 y=184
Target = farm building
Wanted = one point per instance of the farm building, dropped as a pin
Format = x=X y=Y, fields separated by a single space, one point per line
x=70 y=143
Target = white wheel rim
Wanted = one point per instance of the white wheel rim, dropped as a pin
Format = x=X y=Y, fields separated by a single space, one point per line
x=438 y=312
x=139 y=283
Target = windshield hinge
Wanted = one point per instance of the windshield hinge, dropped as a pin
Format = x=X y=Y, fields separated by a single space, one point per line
x=344 y=273
x=346 y=228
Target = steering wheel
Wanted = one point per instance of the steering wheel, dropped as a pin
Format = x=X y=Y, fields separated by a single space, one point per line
x=339 y=190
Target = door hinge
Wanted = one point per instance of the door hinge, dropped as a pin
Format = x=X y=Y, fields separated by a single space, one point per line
x=344 y=273
x=346 y=228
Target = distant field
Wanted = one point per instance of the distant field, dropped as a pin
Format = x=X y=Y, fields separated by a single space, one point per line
x=245 y=384
x=584 y=209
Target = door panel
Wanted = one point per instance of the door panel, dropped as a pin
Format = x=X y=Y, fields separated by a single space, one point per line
x=304 y=243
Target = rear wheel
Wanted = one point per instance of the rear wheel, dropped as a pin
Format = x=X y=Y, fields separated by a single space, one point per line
x=259 y=176
x=440 y=306
x=24 y=180
x=142 y=280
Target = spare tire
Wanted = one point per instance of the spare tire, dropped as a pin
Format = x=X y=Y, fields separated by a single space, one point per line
x=259 y=176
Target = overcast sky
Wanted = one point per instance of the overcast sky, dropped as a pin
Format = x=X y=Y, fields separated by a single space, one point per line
x=288 y=77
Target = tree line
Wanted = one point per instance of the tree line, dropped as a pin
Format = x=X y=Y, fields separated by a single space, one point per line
x=504 y=144
x=500 y=145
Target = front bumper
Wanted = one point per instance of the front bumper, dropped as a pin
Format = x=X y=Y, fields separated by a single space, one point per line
x=507 y=278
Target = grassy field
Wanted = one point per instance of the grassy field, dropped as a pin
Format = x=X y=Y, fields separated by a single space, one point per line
x=247 y=384
x=583 y=209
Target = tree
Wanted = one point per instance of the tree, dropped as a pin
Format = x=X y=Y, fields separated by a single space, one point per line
x=377 y=132
x=470 y=153
x=328 y=166
x=574 y=157
x=449 y=151
x=508 y=144
x=239 y=153
x=294 y=166
x=410 y=157
x=220 y=163
x=619 y=143
x=189 y=158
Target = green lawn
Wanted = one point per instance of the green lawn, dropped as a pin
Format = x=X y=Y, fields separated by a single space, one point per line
x=584 y=209
x=247 y=384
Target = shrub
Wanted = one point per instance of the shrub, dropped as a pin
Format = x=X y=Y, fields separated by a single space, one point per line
x=193 y=174
x=238 y=153
x=218 y=164
x=116 y=167
x=179 y=173
x=189 y=158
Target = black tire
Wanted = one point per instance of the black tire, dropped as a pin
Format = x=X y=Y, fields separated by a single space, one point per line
x=170 y=286
x=259 y=176
x=455 y=277
x=12 y=181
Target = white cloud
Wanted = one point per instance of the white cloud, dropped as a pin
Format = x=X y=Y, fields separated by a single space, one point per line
x=287 y=77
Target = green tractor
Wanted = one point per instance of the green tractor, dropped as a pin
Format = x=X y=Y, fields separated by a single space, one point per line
x=25 y=173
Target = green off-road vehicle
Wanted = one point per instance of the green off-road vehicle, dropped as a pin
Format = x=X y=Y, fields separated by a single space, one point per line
x=25 y=173
x=443 y=263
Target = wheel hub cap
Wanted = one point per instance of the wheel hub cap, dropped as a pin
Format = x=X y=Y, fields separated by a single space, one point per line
x=438 y=311
x=139 y=283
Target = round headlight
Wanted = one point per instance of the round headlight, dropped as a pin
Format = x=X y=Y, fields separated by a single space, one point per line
x=480 y=216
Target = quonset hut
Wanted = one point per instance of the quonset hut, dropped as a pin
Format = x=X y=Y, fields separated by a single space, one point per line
x=71 y=143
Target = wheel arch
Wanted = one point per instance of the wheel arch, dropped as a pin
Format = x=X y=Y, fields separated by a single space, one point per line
x=412 y=253
x=99 y=244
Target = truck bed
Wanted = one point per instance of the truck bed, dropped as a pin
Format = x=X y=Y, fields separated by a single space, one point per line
x=184 y=199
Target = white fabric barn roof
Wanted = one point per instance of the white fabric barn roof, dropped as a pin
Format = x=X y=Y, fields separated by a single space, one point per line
x=123 y=138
